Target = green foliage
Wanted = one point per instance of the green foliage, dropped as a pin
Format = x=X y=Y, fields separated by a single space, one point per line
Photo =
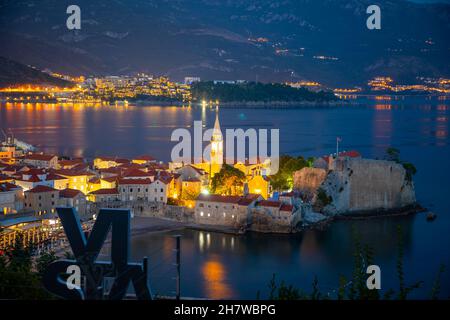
x=69 y=255
x=393 y=154
x=228 y=181
x=43 y=262
x=356 y=288
x=363 y=257
x=341 y=290
x=410 y=170
x=404 y=290
x=437 y=283
x=172 y=202
x=283 y=179
x=284 y=292
x=18 y=276
x=189 y=194
x=255 y=91
x=315 y=295
x=323 y=197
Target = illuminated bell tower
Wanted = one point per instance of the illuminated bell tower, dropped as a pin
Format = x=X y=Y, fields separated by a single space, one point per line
x=216 y=147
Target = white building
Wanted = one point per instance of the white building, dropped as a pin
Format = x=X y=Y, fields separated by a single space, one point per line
x=11 y=198
x=224 y=210
x=191 y=80
x=41 y=160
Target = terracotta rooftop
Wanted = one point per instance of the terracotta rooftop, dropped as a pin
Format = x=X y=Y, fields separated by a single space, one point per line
x=269 y=203
x=40 y=189
x=34 y=171
x=114 y=170
x=115 y=159
x=106 y=158
x=145 y=157
x=105 y=191
x=52 y=176
x=199 y=171
x=349 y=154
x=121 y=160
x=165 y=179
x=15 y=168
x=32 y=178
x=133 y=172
x=94 y=180
x=80 y=167
x=245 y=201
x=70 y=162
x=6 y=186
x=110 y=179
x=129 y=165
x=40 y=157
x=134 y=181
x=252 y=196
x=69 y=193
x=218 y=198
x=287 y=207
x=4 y=177
x=72 y=173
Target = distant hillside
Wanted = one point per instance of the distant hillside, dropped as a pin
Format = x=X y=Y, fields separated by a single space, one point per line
x=254 y=40
x=256 y=92
x=13 y=73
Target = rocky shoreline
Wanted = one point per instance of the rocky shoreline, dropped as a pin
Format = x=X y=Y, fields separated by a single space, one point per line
x=374 y=214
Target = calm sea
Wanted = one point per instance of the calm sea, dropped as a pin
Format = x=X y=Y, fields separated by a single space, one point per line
x=225 y=266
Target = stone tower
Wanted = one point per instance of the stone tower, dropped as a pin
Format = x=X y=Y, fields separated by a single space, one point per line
x=216 y=147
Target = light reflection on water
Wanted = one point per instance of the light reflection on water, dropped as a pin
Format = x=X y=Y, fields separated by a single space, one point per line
x=214 y=279
x=219 y=266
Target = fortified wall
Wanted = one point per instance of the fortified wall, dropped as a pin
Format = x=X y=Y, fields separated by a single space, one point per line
x=360 y=185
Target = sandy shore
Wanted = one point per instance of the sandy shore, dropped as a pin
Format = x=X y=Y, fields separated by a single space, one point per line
x=144 y=225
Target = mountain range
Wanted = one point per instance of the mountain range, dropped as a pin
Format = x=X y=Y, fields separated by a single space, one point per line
x=264 y=40
x=14 y=74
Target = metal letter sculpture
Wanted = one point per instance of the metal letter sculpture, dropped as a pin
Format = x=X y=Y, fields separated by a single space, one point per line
x=86 y=252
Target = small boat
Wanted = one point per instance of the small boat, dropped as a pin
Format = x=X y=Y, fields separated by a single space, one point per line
x=431 y=216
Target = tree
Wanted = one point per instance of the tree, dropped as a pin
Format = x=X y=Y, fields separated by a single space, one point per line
x=410 y=170
x=189 y=194
x=228 y=181
x=323 y=197
x=283 y=179
x=393 y=154
x=18 y=278
x=356 y=288
x=256 y=91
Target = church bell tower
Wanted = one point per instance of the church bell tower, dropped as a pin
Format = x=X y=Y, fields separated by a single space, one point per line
x=216 y=147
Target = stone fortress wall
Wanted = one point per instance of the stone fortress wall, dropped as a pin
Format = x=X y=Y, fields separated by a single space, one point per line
x=359 y=185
